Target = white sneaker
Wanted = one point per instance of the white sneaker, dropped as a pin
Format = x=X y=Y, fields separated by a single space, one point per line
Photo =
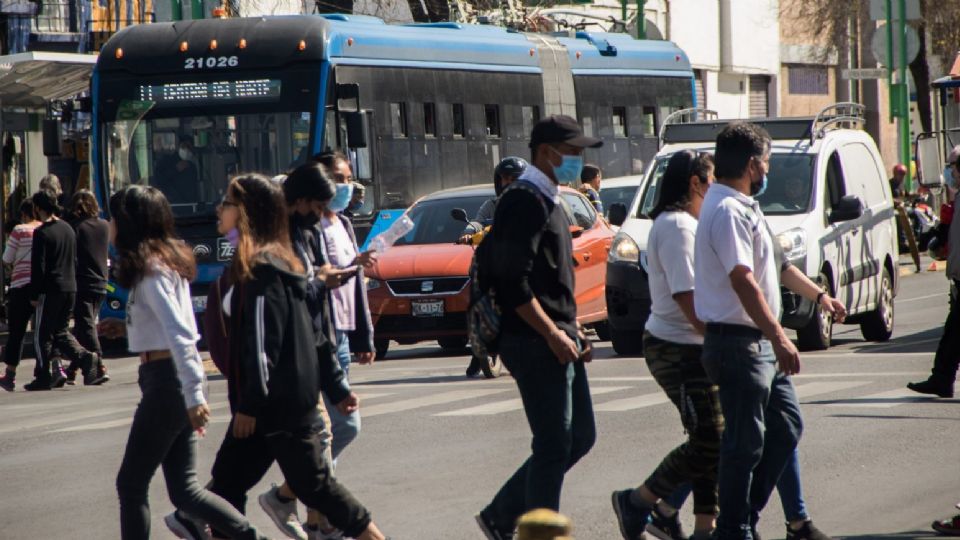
x=283 y=514
x=187 y=527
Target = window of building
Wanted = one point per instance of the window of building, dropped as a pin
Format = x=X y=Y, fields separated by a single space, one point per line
x=492 y=115
x=620 y=129
x=650 y=121
x=398 y=119
x=808 y=80
x=531 y=115
x=458 y=121
x=430 y=119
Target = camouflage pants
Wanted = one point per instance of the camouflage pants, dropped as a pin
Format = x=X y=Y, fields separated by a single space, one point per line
x=677 y=369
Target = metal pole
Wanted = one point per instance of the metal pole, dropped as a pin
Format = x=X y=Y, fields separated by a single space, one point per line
x=890 y=55
x=641 y=19
x=623 y=14
x=905 y=142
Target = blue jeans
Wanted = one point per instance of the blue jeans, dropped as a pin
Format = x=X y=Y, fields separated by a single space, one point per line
x=344 y=428
x=763 y=424
x=556 y=400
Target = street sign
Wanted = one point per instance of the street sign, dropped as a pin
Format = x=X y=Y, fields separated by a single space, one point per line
x=879 y=45
x=878 y=10
x=861 y=74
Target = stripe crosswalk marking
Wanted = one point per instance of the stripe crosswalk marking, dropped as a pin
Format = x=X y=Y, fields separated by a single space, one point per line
x=119 y=422
x=427 y=401
x=816 y=388
x=508 y=405
x=881 y=400
x=631 y=403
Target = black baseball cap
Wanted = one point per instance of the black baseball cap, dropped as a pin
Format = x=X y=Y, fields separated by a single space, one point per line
x=561 y=128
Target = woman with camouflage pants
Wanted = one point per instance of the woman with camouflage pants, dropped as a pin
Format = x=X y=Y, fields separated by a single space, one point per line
x=672 y=345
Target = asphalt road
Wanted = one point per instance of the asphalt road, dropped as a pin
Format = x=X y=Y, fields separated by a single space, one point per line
x=877 y=461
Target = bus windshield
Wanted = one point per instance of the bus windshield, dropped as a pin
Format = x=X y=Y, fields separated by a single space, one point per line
x=192 y=158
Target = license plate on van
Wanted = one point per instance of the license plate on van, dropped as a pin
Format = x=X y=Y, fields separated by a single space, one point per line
x=427 y=308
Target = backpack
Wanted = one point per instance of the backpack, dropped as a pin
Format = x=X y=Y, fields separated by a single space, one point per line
x=483 y=313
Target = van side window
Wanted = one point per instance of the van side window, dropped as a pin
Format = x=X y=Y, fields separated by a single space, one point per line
x=835 y=184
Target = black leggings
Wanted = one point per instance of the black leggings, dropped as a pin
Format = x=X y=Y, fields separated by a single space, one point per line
x=19 y=313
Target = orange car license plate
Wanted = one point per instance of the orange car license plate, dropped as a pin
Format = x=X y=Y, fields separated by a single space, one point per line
x=427 y=308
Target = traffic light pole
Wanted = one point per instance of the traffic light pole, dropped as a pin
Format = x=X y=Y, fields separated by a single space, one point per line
x=899 y=92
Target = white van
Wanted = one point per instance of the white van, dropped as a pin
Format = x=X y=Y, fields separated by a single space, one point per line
x=828 y=202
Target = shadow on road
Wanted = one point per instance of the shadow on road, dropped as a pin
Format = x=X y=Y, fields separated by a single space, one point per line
x=893 y=417
x=906 y=535
x=925 y=341
x=883 y=400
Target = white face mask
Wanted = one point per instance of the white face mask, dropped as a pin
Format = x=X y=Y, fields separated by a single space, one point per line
x=185 y=154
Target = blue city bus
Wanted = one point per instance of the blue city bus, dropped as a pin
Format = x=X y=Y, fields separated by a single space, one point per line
x=417 y=108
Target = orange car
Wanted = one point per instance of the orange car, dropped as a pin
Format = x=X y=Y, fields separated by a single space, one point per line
x=419 y=289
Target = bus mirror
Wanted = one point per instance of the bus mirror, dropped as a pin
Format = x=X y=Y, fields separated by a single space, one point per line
x=51 y=137
x=346 y=93
x=929 y=164
x=357 y=129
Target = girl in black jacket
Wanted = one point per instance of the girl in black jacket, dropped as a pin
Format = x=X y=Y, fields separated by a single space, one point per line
x=277 y=374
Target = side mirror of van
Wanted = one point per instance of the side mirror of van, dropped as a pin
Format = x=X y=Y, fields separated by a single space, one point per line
x=617 y=214
x=850 y=207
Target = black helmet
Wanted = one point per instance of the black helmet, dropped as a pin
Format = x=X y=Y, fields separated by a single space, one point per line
x=509 y=166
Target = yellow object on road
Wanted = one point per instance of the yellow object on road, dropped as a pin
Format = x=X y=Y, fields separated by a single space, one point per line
x=544 y=524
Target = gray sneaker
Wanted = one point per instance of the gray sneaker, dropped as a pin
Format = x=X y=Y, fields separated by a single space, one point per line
x=283 y=514
x=187 y=527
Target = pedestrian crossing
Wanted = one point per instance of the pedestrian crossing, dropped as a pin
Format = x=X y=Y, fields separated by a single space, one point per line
x=443 y=395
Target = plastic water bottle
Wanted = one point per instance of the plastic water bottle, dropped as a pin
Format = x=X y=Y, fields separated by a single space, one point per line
x=397 y=230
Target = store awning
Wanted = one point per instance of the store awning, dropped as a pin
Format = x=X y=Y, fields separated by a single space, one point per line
x=33 y=79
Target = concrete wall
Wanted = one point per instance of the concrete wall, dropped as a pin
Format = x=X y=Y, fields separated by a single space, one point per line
x=750 y=36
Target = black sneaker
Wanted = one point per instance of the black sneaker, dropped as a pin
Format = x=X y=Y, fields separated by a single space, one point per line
x=474 y=368
x=186 y=527
x=490 y=529
x=93 y=375
x=58 y=376
x=37 y=384
x=71 y=376
x=806 y=532
x=7 y=382
x=930 y=386
x=632 y=520
x=665 y=528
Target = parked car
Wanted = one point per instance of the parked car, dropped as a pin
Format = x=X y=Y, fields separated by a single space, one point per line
x=829 y=205
x=419 y=289
x=618 y=190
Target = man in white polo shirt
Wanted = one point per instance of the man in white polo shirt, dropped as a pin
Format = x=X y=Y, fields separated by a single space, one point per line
x=746 y=352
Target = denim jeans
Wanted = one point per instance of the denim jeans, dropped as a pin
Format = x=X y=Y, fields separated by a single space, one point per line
x=161 y=435
x=343 y=427
x=763 y=423
x=556 y=400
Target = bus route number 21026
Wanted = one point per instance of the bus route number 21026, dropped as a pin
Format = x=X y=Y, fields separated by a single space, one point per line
x=210 y=62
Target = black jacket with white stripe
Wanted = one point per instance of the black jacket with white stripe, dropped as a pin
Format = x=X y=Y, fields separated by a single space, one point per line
x=279 y=375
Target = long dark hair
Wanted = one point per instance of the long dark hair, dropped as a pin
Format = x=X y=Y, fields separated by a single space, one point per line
x=262 y=224
x=309 y=181
x=674 y=190
x=145 y=234
x=83 y=205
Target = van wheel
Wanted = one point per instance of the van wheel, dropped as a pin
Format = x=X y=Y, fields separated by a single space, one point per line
x=602 y=329
x=818 y=333
x=381 y=346
x=627 y=343
x=878 y=325
x=453 y=343
x=493 y=367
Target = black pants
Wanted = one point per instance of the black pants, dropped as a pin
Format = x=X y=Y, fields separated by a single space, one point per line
x=161 y=435
x=86 y=309
x=241 y=463
x=947 y=359
x=19 y=312
x=51 y=334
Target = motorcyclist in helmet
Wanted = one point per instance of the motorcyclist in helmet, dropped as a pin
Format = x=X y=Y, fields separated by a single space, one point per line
x=506 y=172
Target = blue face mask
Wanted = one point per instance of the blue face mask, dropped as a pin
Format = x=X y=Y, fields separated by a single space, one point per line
x=569 y=169
x=341 y=200
x=759 y=189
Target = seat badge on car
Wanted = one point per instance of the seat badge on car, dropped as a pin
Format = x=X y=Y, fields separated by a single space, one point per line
x=426 y=287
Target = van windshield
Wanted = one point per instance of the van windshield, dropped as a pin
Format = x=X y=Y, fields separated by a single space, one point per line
x=790 y=188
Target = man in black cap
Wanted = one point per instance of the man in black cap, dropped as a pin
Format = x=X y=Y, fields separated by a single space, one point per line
x=531 y=259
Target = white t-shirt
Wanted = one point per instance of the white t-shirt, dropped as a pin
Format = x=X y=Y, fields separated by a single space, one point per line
x=670 y=249
x=732 y=232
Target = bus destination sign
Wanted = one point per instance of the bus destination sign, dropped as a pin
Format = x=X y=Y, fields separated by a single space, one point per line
x=206 y=92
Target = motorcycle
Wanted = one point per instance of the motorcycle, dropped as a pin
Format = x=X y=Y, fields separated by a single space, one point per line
x=923 y=221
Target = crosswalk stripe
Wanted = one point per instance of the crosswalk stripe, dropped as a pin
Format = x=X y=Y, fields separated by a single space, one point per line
x=880 y=400
x=816 y=388
x=118 y=422
x=516 y=404
x=372 y=395
x=427 y=401
x=631 y=403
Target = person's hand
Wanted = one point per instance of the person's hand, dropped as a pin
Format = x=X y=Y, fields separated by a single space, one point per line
x=586 y=355
x=562 y=346
x=112 y=328
x=349 y=404
x=366 y=358
x=834 y=307
x=788 y=357
x=466 y=239
x=366 y=259
x=199 y=417
x=243 y=425
x=336 y=277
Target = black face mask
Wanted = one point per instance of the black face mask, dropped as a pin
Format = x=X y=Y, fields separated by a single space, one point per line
x=304 y=221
